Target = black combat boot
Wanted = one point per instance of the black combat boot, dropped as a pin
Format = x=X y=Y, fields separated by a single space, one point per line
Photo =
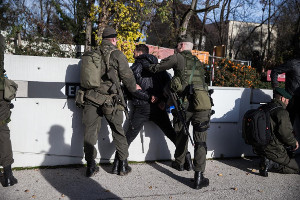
x=188 y=165
x=91 y=169
x=264 y=166
x=177 y=166
x=115 y=165
x=124 y=168
x=9 y=178
x=200 y=181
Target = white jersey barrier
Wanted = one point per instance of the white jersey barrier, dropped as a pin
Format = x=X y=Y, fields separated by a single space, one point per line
x=46 y=127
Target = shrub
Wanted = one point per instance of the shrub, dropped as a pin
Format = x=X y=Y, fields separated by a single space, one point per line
x=230 y=74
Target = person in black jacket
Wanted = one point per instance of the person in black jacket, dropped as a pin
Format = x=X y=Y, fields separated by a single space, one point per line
x=291 y=69
x=149 y=102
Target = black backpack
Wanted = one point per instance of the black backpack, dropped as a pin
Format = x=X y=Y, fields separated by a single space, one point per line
x=257 y=125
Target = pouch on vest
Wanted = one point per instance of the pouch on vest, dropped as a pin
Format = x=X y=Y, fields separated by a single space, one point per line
x=79 y=98
x=90 y=72
x=198 y=96
x=199 y=99
x=10 y=89
x=175 y=84
x=95 y=97
x=108 y=106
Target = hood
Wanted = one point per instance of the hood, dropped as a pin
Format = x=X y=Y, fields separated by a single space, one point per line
x=147 y=58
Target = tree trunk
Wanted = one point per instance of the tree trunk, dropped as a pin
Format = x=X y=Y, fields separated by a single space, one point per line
x=269 y=33
x=103 y=18
x=88 y=35
x=203 y=26
x=190 y=12
x=186 y=18
x=88 y=29
x=19 y=39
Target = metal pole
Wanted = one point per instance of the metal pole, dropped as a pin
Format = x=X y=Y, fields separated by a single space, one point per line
x=212 y=68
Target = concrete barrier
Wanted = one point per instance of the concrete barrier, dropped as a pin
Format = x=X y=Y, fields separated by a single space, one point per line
x=46 y=126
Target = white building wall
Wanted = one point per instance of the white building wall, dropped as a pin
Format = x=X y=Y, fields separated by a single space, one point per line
x=46 y=126
x=238 y=31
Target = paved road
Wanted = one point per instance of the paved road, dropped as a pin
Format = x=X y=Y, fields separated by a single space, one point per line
x=229 y=179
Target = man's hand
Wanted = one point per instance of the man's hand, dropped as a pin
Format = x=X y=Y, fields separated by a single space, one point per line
x=154 y=99
x=138 y=87
x=297 y=146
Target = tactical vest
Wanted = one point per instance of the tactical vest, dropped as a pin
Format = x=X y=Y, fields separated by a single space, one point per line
x=198 y=79
x=193 y=83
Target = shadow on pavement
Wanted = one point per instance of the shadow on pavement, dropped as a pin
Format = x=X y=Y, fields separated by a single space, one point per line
x=186 y=181
x=247 y=164
x=107 y=167
x=71 y=182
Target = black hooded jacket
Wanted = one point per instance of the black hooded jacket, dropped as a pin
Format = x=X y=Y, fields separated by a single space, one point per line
x=151 y=84
x=292 y=75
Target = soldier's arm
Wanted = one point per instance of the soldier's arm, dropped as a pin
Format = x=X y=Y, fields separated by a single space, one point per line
x=285 y=128
x=165 y=64
x=124 y=71
x=278 y=70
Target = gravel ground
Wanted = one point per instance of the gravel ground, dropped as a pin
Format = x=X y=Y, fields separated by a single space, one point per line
x=229 y=179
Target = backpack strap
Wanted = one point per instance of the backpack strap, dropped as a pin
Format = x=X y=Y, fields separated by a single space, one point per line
x=268 y=109
x=106 y=56
x=193 y=71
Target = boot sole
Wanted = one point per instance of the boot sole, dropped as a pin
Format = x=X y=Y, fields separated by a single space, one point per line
x=93 y=174
x=201 y=186
x=11 y=183
x=264 y=174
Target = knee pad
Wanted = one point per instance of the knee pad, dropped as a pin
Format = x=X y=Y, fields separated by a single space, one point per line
x=201 y=127
x=201 y=144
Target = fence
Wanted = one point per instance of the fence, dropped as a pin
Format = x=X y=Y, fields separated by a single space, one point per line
x=46 y=126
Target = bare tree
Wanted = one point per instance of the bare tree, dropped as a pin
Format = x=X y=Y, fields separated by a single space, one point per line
x=88 y=28
x=207 y=3
x=193 y=10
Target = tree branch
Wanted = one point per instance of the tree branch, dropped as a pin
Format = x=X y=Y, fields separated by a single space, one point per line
x=208 y=8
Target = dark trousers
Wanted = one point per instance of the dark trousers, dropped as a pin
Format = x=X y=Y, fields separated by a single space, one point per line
x=278 y=154
x=149 y=112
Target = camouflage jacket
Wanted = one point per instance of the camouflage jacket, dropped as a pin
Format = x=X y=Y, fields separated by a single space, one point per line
x=281 y=128
x=119 y=62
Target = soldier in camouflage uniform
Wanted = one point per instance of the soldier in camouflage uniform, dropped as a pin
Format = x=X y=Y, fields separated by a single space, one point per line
x=182 y=64
x=111 y=109
x=6 y=155
x=275 y=155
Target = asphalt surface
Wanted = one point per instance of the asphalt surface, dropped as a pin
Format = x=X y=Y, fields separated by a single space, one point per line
x=229 y=179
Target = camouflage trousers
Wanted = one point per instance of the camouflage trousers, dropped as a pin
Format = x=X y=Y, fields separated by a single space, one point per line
x=6 y=155
x=199 y=136
x=91 y=118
